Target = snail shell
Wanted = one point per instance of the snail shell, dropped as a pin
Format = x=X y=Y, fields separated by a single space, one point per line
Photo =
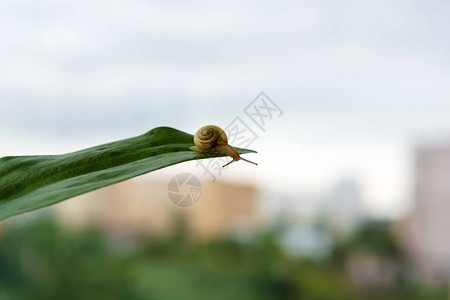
x=211 y=138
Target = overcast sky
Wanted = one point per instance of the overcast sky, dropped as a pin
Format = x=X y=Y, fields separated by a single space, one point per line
x=358 y=82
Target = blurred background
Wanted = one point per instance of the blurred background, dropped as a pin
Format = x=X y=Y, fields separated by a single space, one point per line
x=351 y=197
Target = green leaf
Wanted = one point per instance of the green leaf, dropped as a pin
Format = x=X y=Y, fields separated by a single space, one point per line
x=31 y=182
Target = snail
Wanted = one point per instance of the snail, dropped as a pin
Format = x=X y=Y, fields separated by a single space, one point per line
x=211 y=138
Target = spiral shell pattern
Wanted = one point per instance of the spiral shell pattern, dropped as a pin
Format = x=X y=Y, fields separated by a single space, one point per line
x=209 y=136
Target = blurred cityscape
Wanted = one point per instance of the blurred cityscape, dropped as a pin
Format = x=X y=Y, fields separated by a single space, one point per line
x=341 y=205
x=226 y=245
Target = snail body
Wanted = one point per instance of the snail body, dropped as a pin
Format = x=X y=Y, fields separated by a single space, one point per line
x=211 y=138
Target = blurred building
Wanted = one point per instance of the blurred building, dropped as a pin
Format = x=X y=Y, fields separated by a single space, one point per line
x=306 y=240
x=342 y=207
x=141 y=207
x=426 y=231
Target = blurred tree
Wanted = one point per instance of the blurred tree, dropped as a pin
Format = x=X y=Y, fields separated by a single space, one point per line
x=40 y=260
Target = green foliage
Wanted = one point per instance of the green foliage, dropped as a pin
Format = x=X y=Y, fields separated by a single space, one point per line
x=39 y=260
x=375 y=237
x=372 y=236
x=31 y=182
